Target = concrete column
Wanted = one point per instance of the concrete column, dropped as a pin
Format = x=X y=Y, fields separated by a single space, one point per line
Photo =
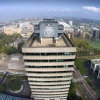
x=91 y=65
x=94 y=68
x=98 y=74
x=41 y=39
x=56 y=41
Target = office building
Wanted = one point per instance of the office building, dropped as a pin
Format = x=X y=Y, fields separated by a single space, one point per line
x=49 y=58
x=96 y=33
x=24 y=24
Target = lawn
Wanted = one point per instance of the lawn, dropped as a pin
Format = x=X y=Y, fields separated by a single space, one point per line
x=80 y=66
x=97 y=91
x=14 y=85
x=95 y=44
x=1 y=75
x=89 y=82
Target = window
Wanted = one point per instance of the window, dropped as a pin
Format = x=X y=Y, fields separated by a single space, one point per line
x=58 y=60
x=65 y=66
x=49 y=54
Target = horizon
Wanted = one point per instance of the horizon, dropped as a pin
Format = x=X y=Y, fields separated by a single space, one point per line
x=87 y=9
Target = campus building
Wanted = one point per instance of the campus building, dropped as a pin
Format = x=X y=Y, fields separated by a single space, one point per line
x=24 y=24
x=95 y=65
x=49 y=58
x=96 y=33
x=11 y=30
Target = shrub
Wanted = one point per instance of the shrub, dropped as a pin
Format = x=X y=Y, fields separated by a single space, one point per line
x=1 y=88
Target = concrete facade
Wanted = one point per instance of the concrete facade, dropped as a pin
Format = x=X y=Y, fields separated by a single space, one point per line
x=49 y=65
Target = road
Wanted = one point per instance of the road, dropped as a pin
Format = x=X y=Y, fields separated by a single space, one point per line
x=89 y=92
x=81 y=87
x=4 y=78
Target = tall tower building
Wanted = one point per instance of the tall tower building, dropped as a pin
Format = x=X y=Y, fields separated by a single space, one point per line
x=96 y=34
x=49 y=58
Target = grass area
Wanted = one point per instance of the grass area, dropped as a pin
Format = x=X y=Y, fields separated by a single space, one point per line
x=95 y=44
x=14 y=85
x=17 y=77
x=1 y=75
x=80 y=66
x=89 y=82
x=97 y=91
x=2 y=88
x=92 y=57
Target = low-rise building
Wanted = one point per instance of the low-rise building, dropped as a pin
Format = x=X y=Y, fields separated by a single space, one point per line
x=23 y=24
x=67 y=27
x=8 y=97
x=16 y=42
x=11 y=30
x=95 y=65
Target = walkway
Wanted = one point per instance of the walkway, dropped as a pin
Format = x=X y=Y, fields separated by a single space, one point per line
x=4 y=78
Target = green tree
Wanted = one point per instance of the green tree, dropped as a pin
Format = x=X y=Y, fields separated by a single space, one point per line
x=1 y=88
x=20 y=47
x=78 y=98
x=7 y=49
x=72 y=93
x=11 y=50
x=5 y=40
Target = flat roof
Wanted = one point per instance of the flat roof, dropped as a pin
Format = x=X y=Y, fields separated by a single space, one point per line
x=62 y=41
x=96 y=61
x=16 y=64
x=49 y=42
x=8 y=97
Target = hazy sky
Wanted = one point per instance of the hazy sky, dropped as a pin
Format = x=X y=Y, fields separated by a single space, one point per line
x=30 y=8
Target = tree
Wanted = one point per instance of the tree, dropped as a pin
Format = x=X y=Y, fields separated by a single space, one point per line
x=72 y=93
x=78 y=98
x=20 y=47
x=7 y=49
x=1 y=88
x=11 y=50
x=5 y=40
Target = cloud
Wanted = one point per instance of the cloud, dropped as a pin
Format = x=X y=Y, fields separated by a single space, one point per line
x=65 y=10
x=92 y=8
x=61 y=10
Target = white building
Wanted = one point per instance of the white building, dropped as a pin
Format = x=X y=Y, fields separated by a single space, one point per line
x=71 y=23
x=67 y=27
x=24 y=24
x=95 y=65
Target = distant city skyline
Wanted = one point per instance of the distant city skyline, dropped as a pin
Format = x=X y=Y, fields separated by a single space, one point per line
x=10 y=9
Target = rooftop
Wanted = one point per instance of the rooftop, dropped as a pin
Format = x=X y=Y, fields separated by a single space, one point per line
x=96 y=61
x=62 y=41
x=48 y=34
x=8 y=97
x=16 y=63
